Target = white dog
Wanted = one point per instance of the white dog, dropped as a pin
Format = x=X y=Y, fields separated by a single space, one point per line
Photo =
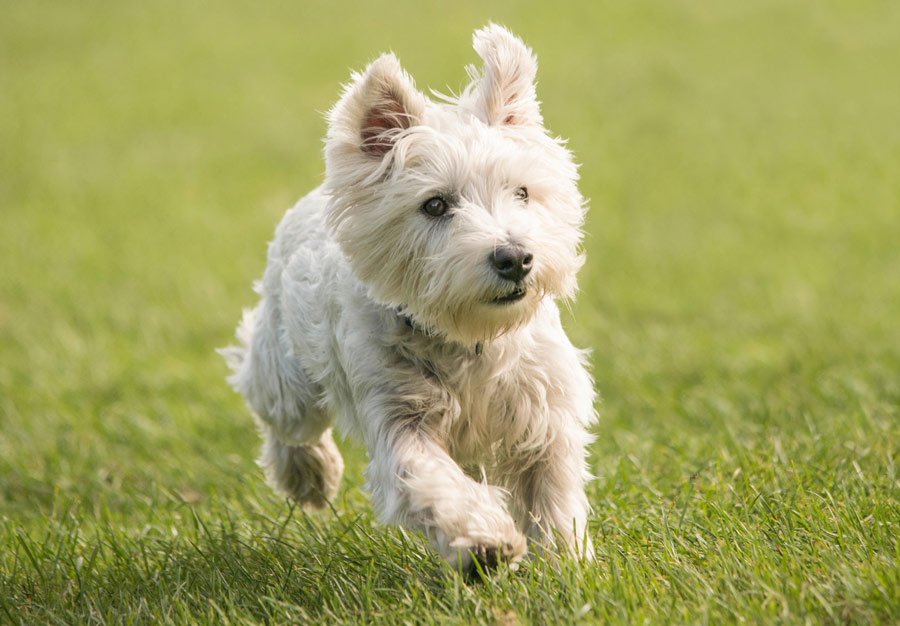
x=411 y=300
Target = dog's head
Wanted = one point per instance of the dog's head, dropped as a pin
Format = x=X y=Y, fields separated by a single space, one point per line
x=464 y=213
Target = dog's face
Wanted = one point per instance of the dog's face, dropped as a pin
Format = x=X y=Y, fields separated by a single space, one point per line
x=463 y=213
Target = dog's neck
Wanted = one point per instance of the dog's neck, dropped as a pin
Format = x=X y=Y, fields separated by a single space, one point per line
x=479 y=346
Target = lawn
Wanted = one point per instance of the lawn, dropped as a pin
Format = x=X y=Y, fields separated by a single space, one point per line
x=741 y=298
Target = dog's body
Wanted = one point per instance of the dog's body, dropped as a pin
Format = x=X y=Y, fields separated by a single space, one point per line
x=411 y=300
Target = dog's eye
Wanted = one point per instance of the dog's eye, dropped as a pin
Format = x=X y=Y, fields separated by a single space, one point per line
x=522 y=194
x=435 y=207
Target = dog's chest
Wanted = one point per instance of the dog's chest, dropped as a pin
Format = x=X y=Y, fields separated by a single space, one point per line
x=497 y=409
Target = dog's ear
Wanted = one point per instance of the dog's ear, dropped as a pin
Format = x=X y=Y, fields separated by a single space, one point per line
x=504 y=92
x=375 y=108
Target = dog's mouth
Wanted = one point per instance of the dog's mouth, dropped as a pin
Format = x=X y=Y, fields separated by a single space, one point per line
x=514 y=296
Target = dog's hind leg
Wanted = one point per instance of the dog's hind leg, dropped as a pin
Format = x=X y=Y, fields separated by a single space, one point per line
x=308 y=473
x=299 y=455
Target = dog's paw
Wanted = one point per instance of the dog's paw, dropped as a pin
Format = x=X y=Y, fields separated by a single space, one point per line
x=476 y=558
x=483 y=560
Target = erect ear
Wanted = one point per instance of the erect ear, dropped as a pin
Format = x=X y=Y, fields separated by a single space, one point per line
x=376 y=107
x=504 y=93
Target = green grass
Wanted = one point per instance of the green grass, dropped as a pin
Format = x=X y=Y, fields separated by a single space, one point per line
x=742 y=299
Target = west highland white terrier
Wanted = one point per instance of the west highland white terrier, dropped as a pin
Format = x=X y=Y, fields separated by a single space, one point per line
x=412 y=301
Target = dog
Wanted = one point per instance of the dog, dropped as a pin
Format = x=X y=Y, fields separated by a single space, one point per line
x=412 y=301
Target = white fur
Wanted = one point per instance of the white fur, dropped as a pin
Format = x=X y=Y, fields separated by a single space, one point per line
x=373 y=313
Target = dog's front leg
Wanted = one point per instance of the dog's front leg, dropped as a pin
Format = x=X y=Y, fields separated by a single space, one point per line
x=417 y=485
x=551 y=497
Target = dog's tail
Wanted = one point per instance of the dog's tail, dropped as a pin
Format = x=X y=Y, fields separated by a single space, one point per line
x=235 y=355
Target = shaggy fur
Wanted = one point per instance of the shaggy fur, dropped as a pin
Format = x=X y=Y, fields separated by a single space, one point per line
x=404 y=328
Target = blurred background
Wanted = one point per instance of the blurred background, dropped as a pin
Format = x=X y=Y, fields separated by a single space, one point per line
x=742 y=160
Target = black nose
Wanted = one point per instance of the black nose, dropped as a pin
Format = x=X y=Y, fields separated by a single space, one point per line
x=512 y=262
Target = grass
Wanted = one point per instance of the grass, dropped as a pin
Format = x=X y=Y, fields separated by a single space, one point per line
x=741 y=299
